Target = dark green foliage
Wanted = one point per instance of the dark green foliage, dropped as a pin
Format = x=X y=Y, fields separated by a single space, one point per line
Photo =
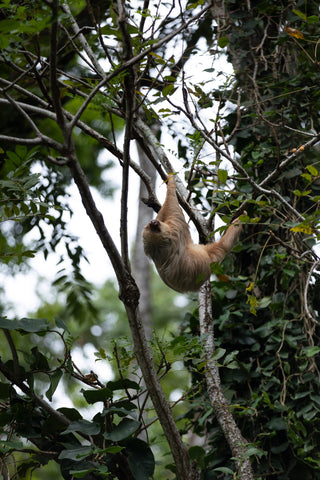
x=273 y=382
x=115 y=449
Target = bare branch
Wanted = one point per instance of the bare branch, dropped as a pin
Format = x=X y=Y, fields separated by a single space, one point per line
x=136 y=59
x=86 y=47
x=21 y=141
x=30 y=393
x=129 y=96
x=23 y=113
x=53 y=68
x=147 y=138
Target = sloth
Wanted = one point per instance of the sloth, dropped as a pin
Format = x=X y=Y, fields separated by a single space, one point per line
x=183 y=265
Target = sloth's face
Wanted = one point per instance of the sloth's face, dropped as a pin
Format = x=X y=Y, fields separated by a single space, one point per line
x=156 y=238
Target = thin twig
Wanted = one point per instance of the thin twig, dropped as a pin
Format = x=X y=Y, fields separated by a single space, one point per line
x=305 y=293
x=83 y=41
x=53 y=67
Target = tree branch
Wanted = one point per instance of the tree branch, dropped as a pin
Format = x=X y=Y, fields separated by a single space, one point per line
x=129 y=96
x=39 y=400
x=129 y=294
x=236 y=442
x=53 y=68
x=85 y=45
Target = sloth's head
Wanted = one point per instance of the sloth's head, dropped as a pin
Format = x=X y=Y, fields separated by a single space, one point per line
x=156 y=237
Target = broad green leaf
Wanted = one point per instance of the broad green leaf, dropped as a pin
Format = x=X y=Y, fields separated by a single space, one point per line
x=26 y=324
x=6 y=446
x=307 y=176
x=60 y=324
x=140 y=458
x=76 y=454
x=218 y=353
x=313 y=19
x=300 y=193
x=93 y=396
x=265 y=302
x=226 y=470
x=122 y=384
x=222 y=175
x=54 y=382
x=83 y=426
x=223 y=42
x=114 y=449
x=196 y=453
x=4 y=390
x=168 y=90
x=251 y=450
x=300 y=14
x=312 y=351
x=311 y=169
x=302 y=229
x=124 y=430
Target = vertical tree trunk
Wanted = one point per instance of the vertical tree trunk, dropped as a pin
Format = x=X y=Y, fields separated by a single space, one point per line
x=236 y=442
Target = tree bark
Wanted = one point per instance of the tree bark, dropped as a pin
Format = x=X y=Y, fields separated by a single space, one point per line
x=236 y=442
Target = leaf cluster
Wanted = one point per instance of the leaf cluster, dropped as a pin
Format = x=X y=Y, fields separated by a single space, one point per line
x=103 y=446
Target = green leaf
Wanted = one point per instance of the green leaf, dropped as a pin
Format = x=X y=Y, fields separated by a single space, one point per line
x=276 y=423
x=141 y=459
x=218 y=353
x=307 y=176
x=93 y=396
x=54 y=382
x=28 y=253
x=251 y=450
x=312 y=351
x=27 y=324
x=313 y=19
x=298 y=193
x=265 y=302
x=16 y=210
x=195 y=4
x=37 y=360
x=83 y=426
x=124 y=430
x=6 y=446
x=114 y=449
x=311 y=169
x=4 y=390
x=60 y=324
x=107 y=30
x=223 y=42
x=222 y=175
x=198 y=454
x=224 y=470
x=102 y=469
x=121 y=384
x=300 y=14
x=76 y=454
x=15 y=26
x=8 y=211
x=168 y=90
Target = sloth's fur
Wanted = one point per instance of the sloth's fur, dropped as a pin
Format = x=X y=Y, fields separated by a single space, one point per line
x=183 y=265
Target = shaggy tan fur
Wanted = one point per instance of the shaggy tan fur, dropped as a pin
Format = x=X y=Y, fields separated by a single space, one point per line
x=183 y=265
